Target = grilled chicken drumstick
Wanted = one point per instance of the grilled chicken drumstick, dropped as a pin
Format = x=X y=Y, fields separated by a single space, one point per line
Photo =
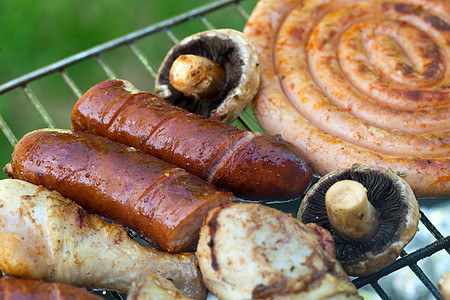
x=46 y=236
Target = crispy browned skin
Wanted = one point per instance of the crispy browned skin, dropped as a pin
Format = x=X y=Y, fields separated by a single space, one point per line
x=15 y=289
x=44 y=236
x=252 y=165
x=160 y=202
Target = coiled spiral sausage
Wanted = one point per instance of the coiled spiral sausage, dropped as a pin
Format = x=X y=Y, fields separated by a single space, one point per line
x=359 y=82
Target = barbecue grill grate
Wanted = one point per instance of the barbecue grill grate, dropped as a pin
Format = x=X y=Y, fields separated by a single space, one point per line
x=32 y=89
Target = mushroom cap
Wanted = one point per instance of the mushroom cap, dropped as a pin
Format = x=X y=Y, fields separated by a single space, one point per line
x=395 y=203
x=235 y=53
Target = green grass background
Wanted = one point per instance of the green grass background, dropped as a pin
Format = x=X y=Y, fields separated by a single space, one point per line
x=37 y=33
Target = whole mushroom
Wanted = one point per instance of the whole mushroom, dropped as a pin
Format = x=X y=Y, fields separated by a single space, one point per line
x=371 y=213
x=214 y=74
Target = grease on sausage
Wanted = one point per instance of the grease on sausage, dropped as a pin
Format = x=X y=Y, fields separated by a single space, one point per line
x=16 y=288
x=160 y=202
x=252 y=165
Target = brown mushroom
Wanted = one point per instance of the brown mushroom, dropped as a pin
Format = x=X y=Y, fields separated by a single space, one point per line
x=371 y=212
x=214 y=74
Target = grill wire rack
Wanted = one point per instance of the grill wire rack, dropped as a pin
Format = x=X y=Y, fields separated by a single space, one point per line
x=32 y=89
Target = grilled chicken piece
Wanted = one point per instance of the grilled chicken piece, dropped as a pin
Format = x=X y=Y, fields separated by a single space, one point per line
x=46 y=236
x=155 y=287
x=16 y=288
x=252 y=251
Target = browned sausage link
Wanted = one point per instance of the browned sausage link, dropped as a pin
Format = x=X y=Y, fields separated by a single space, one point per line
x=254 y=166
x=159 y=201
x=16 y=288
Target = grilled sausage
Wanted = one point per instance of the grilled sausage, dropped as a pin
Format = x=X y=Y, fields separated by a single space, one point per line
x=310 y=93
x=252 y=165
x=16 y=288
x=160 y=202
x=44 y=236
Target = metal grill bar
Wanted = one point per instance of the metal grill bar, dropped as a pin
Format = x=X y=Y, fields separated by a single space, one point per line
x=70 y=83
x=422 y=277
x=147 y=65
x=377 y=288
x=171 y=35
x=39 y=107
x=241 y=10
x=116 y=295
x=106 y=68
x=205 y=22
x=8 y=132
x=425 y=280
x=431 y=228
x=407 y=260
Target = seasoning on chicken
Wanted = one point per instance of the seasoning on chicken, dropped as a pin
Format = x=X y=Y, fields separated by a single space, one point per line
x=48 y=237
x=252 y=251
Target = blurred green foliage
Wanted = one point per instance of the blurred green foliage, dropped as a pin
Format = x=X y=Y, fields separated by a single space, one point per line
x=36 y=33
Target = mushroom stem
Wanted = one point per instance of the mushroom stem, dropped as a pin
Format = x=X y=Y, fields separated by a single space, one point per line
x=351 y=214
x=197 y=76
